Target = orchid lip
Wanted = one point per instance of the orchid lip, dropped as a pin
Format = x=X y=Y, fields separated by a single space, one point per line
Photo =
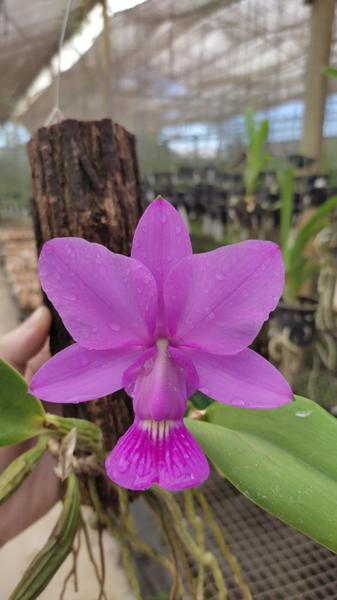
x=162 y=452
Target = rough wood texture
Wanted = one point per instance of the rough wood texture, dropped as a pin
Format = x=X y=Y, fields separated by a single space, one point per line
x=86 y=184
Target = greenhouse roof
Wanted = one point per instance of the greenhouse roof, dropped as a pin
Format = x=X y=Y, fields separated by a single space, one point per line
x=29 y=36
x=187 y=61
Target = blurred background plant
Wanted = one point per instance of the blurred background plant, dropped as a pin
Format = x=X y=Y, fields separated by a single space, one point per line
x=257 y=158
x=299 y=268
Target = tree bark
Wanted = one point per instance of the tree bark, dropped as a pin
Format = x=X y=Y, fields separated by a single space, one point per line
x=86 y=184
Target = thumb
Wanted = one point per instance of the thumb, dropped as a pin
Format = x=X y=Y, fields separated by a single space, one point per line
x=21 y=344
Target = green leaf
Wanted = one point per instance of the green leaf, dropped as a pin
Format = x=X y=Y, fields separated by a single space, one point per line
x=257 y=158
x=316 y=222
x=201 y=401
x=284 y=460
x=296 y=272
x=21 y=414
x=286 y=181
x=296 y=278
x=250 y=125
x=262 y=134
x=56 y=549
x=330 y=72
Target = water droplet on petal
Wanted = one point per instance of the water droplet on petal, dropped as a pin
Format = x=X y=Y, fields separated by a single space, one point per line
x=123 y=464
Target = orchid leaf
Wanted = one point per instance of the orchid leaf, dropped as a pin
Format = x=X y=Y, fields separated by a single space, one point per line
x=201 y=401
x=284 y=460
x=262 y=134
x=257 y=158
x=330 y=72
x=250 y=125
x=286 y=180
x=316 y=222
x=21 y=414
x=297 y=271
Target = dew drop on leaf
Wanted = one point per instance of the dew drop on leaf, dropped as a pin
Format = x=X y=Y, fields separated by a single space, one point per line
x=303 y=413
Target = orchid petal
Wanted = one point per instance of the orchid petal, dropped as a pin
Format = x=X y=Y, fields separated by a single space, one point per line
x=106 y=300
x=161 y=239
x=218 y=301
x=160 y=381
x=245 y=379
x=162 y=452
x=77 y=374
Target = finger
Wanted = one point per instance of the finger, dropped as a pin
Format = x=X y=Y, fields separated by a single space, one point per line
x=37 y=361
x=24 y=342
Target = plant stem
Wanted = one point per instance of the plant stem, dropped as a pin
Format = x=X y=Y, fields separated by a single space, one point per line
x=207 y=558
x=127 y=556
x=174 y=545
x=124 y=530
x=88 y=435
x=57 y=548
x=17 y=471
x=119 y=532
x=73 y=570
x=99 y=577
x=233 y=563
x=197 y=523
x=102 y=560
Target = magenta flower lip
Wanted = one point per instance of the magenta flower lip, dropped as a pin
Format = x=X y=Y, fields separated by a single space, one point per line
x=162 y=323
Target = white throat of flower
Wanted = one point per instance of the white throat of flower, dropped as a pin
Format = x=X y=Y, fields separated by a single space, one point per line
x=158 y=430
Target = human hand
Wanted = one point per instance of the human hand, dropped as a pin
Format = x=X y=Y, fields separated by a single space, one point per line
x=26 y=348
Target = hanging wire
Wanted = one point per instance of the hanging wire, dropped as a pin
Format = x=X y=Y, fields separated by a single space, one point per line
x=4 y=16
x=56 y=113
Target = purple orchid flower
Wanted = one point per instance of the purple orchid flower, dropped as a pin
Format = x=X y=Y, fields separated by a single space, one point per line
x=162 y=324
